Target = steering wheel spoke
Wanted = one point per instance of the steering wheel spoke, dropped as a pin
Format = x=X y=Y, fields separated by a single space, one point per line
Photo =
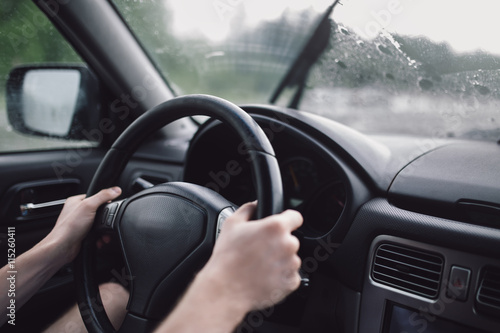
x=106 y=217
x=133 y=323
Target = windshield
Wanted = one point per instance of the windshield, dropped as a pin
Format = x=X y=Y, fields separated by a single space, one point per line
x=390 y=67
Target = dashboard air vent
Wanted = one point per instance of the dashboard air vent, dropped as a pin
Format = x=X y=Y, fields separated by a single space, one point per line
x=488 y=294
x=408 y=269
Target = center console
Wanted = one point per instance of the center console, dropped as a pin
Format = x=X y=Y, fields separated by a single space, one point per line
x=412 y=287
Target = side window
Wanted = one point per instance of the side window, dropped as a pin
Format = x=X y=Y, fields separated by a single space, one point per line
x=28 y=37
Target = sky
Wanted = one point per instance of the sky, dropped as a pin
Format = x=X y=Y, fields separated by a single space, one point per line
x=465 y=25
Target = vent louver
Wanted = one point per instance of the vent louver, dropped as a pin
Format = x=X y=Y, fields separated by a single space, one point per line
x=488 y=294
x=408 y=269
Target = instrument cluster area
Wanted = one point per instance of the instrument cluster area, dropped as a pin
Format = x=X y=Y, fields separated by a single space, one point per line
x=312 y=180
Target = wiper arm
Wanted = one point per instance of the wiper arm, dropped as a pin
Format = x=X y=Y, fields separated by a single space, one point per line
x=313 y=48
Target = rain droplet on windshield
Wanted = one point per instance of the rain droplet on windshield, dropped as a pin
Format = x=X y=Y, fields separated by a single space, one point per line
x=384 y=49
x=482 y=89
x=425 y=84
x=344 y=31
x=340 y=63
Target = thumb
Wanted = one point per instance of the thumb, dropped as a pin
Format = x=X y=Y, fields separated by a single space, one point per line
x=103 y=196
x=244 y=213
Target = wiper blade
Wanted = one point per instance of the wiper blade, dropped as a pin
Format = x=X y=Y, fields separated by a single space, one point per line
x=313 y=48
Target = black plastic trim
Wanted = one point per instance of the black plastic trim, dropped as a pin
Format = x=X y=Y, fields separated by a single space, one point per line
x=376 y=296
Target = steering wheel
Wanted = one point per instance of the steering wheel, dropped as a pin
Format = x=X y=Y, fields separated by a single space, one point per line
x=167 y=232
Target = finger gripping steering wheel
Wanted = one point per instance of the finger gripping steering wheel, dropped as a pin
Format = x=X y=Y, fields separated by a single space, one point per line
x=167 y=232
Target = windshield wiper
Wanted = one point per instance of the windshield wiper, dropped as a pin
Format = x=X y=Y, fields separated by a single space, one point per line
x=313 y=48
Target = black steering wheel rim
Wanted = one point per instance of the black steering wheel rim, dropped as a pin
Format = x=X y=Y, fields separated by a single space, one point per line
x=265 y=173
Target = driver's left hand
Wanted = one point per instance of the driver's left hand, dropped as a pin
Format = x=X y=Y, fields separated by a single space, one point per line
x=76 y=219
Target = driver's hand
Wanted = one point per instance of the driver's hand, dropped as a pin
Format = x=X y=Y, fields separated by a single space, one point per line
x=76 y=219
x=256 y=262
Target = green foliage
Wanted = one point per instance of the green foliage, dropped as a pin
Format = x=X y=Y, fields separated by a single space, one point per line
x=27 y=36
x=245 y=67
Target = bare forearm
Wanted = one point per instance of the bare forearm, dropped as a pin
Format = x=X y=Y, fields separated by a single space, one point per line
x=205 y=308
x=62 y=244
x=32 y=269
x=253 y=265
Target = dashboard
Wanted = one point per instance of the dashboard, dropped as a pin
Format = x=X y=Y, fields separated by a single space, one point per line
x=313 y=184
x=387 y=224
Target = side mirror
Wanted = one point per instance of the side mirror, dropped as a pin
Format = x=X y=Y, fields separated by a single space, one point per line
x=58 y=101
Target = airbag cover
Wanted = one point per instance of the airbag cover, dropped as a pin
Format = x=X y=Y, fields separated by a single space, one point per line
x=157 y=226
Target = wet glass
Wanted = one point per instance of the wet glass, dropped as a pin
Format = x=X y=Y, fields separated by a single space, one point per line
x=421 y=68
